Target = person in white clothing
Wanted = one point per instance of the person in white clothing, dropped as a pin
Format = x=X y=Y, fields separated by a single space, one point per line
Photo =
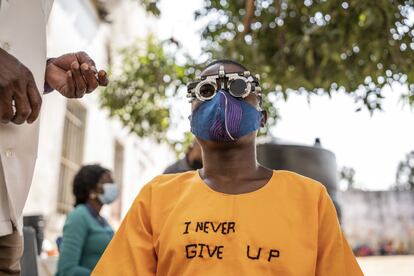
x=25 y=75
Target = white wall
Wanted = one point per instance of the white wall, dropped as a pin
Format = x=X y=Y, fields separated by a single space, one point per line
x=372 y=217
x=74 y=26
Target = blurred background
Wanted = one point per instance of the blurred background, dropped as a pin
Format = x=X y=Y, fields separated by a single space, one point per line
x=339 y=84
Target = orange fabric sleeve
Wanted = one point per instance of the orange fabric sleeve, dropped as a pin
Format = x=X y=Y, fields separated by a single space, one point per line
x=131 y=251
x=335 y=257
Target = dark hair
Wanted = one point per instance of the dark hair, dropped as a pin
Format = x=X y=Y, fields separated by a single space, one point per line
x=85 y=181
x=225 y=61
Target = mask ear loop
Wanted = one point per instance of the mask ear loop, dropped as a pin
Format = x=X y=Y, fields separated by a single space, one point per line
x=225 y=116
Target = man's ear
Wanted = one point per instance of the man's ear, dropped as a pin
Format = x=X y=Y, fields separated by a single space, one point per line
x=263 y=120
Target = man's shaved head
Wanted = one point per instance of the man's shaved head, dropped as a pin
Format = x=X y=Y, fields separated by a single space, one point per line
x=230 y=66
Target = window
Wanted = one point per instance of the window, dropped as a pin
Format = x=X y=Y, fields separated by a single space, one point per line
x=116 y=208
x=72 y=153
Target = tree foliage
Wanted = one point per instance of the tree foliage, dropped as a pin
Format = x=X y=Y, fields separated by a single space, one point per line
x=347 y=175
x=310 y=46
x=317 y=46
x=151 y=6
x=139 y=93
x=405 y=172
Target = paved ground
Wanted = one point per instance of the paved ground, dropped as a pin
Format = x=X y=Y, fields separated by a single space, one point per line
x=387 y=265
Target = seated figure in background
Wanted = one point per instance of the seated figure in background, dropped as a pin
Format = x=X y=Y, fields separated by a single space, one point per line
x=192 y=160
x=86 y=234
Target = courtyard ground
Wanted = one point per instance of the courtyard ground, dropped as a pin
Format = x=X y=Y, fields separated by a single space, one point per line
x=387 y=265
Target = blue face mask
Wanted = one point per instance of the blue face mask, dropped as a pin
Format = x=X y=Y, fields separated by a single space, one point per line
x=110 y=193
x=224 y=118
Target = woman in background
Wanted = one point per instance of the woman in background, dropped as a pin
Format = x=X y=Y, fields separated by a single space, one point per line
x=86 y=234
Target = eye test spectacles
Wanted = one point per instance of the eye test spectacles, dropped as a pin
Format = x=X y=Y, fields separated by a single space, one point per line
x=239 y=85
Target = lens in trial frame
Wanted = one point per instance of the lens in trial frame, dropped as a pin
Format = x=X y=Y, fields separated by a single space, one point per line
x=207 y=90
x=238 y=87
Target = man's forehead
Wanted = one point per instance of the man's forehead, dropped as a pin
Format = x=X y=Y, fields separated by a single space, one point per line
x=228 y=68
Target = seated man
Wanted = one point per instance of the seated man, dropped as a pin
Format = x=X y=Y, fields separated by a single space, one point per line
x=191 y=161
x=234 y=216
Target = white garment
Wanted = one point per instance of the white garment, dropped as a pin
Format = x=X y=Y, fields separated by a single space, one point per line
x=23 y=35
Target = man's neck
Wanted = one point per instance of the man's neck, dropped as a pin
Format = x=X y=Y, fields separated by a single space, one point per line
x=233 y=170
x=235 y=162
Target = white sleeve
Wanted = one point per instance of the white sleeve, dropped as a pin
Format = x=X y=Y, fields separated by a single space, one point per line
x=47 y=7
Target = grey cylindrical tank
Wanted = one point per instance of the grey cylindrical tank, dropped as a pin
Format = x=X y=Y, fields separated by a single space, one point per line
x=314 y=162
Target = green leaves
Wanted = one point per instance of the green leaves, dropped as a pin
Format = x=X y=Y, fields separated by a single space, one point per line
x=405 y=173
x=310 y=46
x=138 y=92
x=151 y=6
x=347 y=175
x=313 y=45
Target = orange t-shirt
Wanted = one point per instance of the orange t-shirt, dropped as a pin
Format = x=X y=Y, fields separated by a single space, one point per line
x=180 y=226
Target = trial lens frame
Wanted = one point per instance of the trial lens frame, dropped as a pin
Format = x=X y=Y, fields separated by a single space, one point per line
x=252 y=84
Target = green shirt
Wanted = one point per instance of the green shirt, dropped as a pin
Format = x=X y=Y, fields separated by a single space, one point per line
x=85 y=237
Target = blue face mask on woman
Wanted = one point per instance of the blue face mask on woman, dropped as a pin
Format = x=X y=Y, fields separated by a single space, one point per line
x=224 y=118
x=110 y=193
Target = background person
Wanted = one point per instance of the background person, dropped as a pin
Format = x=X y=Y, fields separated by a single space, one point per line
x=86 y=233
x=192 y=160
x=25 y=74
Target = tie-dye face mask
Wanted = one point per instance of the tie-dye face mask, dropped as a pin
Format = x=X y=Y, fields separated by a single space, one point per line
x=224 y=118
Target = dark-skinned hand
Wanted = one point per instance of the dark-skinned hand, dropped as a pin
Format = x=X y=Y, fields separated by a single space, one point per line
x=18 y=91
x=74 y=74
